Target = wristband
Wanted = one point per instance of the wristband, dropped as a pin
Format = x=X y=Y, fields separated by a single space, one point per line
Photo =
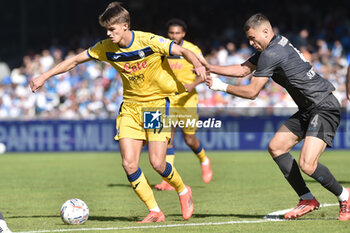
x=218 y=85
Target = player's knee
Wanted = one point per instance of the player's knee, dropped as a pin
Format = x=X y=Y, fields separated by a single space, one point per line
x=190 y=139
x=129 y=166
x=307 y=167
x=158 y=165
x=275 y=149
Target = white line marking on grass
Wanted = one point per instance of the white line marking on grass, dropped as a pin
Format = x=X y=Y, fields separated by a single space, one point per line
x=274 y=216
x=147 y=227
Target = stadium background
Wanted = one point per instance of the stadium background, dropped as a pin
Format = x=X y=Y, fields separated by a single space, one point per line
x=38 y=34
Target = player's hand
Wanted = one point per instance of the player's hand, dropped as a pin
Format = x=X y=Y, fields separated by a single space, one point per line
x=201 y=72
x=37 y=83
x=204 y=63
x=216 y=84
x=189 y=87
x=209 y=81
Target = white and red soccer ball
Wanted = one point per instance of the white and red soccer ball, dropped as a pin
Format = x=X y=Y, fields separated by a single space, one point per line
x=74 y=212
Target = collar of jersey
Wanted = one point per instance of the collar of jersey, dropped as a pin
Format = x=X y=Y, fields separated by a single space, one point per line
x=273 y=38
x=182 y=42
x=132 y=41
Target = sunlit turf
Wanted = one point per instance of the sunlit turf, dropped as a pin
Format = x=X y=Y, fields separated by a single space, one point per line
x=246 y=186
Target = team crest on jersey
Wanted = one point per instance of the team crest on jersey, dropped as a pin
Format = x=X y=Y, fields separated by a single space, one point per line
x=162 y=40
x=141 y=54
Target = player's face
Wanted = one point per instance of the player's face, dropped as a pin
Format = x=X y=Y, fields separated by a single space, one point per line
x=116 y=32
x=257 y=38
x=176 y=33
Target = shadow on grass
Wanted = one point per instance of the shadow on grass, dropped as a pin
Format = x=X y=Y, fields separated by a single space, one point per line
x=119 y=185
x=36 y=216
x=342 y=182
x=152 y=186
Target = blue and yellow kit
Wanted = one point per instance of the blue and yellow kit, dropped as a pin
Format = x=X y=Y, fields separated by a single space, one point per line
x=147 y=79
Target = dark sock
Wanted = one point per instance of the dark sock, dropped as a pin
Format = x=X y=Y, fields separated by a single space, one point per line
x=291 y=172
x=1 y=217
x=327 y=180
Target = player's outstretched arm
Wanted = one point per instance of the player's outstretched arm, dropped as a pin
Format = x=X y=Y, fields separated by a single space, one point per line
x=190 y=86
x=250 y=91
x=239 y=71
x=190 y=57
x=348 y=84
x=64 y=66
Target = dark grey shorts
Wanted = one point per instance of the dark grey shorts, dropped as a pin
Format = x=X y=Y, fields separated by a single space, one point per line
x=320 y=121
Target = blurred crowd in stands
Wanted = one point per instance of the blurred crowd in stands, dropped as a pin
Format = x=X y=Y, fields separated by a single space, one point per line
x=94 y=89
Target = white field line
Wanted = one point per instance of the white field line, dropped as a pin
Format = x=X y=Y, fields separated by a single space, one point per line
x=274 y=216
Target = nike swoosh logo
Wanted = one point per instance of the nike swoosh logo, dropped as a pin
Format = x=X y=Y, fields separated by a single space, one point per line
x=152 y=37
x=136 y=185
x=189 y=203
x=171 y=176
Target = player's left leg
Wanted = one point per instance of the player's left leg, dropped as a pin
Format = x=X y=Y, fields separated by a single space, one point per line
x=157 y=150
x=170 y=158
x=193 y=142
x=323 y=123
x=3 y=226
x=311 y=151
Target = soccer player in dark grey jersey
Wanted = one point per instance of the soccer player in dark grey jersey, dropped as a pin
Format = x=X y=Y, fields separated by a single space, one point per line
x=315 y=122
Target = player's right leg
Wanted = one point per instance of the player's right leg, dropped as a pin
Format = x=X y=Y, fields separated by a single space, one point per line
x=279 y=147
x=131 y=137
x=3 y=226
x=130 y=150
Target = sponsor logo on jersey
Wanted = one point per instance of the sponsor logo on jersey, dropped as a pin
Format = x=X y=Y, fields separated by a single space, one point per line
x=175 y=65
x=133 y=67
x=137 y=79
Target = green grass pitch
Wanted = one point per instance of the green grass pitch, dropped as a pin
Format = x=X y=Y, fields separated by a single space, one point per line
x=245 y=187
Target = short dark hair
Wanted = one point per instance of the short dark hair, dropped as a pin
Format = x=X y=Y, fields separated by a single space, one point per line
x=177 y=22
x=255 y=20
x=114 y=13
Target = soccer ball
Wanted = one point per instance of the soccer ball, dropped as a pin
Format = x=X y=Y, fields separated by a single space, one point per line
x=74 y=212
x=2 y=148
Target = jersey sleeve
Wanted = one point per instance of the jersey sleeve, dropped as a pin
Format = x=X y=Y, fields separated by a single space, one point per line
x=160 y=45
x=97 y=51
x=254 y=59
x=266 y=64
x=198 y=52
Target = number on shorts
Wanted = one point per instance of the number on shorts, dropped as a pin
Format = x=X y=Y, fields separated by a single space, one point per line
x=314 y=121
